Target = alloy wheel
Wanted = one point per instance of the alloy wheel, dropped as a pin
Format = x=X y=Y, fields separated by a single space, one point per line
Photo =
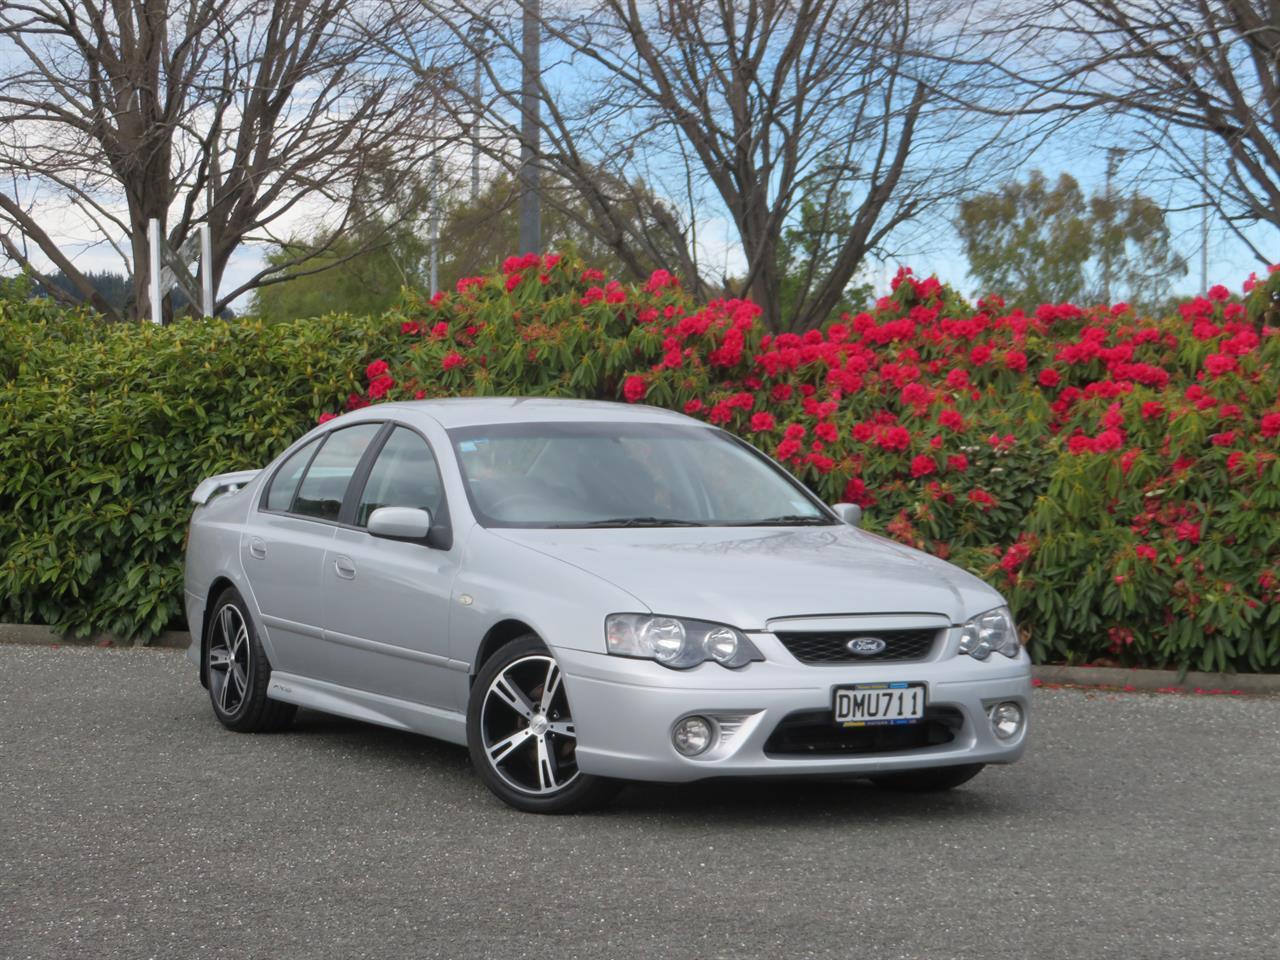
x=229 y=658
x=526 y=728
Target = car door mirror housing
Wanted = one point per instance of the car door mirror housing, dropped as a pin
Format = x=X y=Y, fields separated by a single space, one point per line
x=400 y=523
x=850 y=513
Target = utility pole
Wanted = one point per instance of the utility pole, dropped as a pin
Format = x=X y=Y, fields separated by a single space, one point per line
x=477 y=33
x=1113 y=161
x=434 y=227
x=1204 y=215
x=531 y=68
x=153 y=243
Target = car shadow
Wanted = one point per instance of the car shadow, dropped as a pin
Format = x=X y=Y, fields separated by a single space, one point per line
x=794 y=801
x=800 y=800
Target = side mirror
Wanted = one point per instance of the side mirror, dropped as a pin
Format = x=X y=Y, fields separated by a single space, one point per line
x=850 y=513
x=400 y=523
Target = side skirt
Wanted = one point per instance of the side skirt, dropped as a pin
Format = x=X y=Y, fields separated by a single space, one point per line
x=369 y=707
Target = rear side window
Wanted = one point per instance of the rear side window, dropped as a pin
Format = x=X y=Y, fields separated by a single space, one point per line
x=285 y=482
x=325 y=484
x=404 y=475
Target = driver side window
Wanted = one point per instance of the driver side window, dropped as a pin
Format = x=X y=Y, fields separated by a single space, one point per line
x=403 y=475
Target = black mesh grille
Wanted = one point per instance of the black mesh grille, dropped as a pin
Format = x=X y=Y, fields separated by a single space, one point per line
x=814 y=733
x=833 y=647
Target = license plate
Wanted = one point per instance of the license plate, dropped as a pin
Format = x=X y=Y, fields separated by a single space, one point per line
x=879 y=704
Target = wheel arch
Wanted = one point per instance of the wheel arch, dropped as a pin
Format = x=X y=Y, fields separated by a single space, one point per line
x=497 y=637
x=216 y=589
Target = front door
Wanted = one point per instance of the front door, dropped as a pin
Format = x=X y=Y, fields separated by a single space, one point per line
x=386 y=602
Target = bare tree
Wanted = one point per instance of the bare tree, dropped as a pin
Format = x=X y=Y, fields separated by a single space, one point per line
x=240 y=113
x=742 y=109
x=1195 y=82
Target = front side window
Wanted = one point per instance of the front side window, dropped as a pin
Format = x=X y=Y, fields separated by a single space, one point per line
x=624 y=474
x=404 y=475
x=325 y=484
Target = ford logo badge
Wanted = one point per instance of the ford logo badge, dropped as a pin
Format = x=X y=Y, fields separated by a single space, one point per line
x=865 y=646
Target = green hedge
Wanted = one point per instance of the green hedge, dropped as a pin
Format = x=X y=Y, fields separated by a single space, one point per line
x=106 y=429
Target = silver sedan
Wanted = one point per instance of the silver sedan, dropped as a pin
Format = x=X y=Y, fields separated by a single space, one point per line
x=587 y=593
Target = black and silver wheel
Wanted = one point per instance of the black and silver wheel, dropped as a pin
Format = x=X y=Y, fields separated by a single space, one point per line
x=238 y=672
x=522 y=736
x=928 y=780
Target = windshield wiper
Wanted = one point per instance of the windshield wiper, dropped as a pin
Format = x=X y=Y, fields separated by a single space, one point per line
x=640 y=522
x=786 y=520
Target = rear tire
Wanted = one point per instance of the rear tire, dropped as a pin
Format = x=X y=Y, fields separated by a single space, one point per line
x=238 y=671
x=929 y=780
x=522 y=737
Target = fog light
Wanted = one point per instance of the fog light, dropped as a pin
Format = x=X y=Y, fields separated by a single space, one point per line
x=692 y=736
x=1006 y=720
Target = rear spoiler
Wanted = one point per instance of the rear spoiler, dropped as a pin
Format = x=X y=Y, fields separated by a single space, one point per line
x=210 y=487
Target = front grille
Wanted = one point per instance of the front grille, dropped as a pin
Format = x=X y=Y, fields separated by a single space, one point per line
x=832 y=647
x=813 y=733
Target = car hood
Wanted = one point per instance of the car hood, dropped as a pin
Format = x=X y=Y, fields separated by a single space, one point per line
x=747 y=577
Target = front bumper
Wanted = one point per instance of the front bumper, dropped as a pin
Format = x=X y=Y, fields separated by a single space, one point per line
x=624 y=711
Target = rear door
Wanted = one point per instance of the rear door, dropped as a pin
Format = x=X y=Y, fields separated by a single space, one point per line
x=386 y=602
x=284 y=542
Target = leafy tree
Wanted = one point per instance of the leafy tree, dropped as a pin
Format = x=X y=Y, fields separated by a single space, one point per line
x=1034 y=242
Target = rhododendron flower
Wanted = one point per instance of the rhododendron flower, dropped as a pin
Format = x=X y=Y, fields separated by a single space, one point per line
x=1217 y=364
x=693 y=406
x=1152 y=409
x=1015 y=360
x=923 y=466
x=634 y=388
x=761 y=422
x=1270 y=424
x=325 y=417
x=1235 y=462
x=1224 y=439
x=513 y=281
x=827 y=431
x=376 y=369
x=958 y=462
x=1049 y=378
x=452 y=359
x=1219 y=293
x=958 y=379
x=787 y=449
x=410 y=328
x=983 y=499
x=855 y=491
x=1187 y=531
x=951 y=419
x=1145 y=552
x=893 y=438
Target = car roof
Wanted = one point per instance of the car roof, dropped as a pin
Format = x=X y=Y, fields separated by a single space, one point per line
x=480 y=411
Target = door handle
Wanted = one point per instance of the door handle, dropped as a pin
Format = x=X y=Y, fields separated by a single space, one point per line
x=345 y=568
x=257 y=548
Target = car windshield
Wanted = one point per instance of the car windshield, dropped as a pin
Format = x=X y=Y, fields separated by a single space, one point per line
x=624 y=475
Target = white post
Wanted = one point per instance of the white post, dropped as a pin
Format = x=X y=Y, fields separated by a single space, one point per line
x=206 y=267
x=157 y=314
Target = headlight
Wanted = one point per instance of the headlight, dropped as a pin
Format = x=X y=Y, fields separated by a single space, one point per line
x=677 y=643
x=993 y=630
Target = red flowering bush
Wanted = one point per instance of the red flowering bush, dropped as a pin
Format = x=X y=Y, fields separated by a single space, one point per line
x=1115 y=475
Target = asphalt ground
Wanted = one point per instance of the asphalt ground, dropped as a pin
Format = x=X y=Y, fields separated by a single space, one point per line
x=133 y=825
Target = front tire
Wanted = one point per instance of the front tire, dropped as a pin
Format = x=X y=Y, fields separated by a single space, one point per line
x=929 y=780
x=238 y=671
x=522 y=736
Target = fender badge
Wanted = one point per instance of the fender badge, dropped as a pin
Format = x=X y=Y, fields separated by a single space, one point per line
x=465 y=600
